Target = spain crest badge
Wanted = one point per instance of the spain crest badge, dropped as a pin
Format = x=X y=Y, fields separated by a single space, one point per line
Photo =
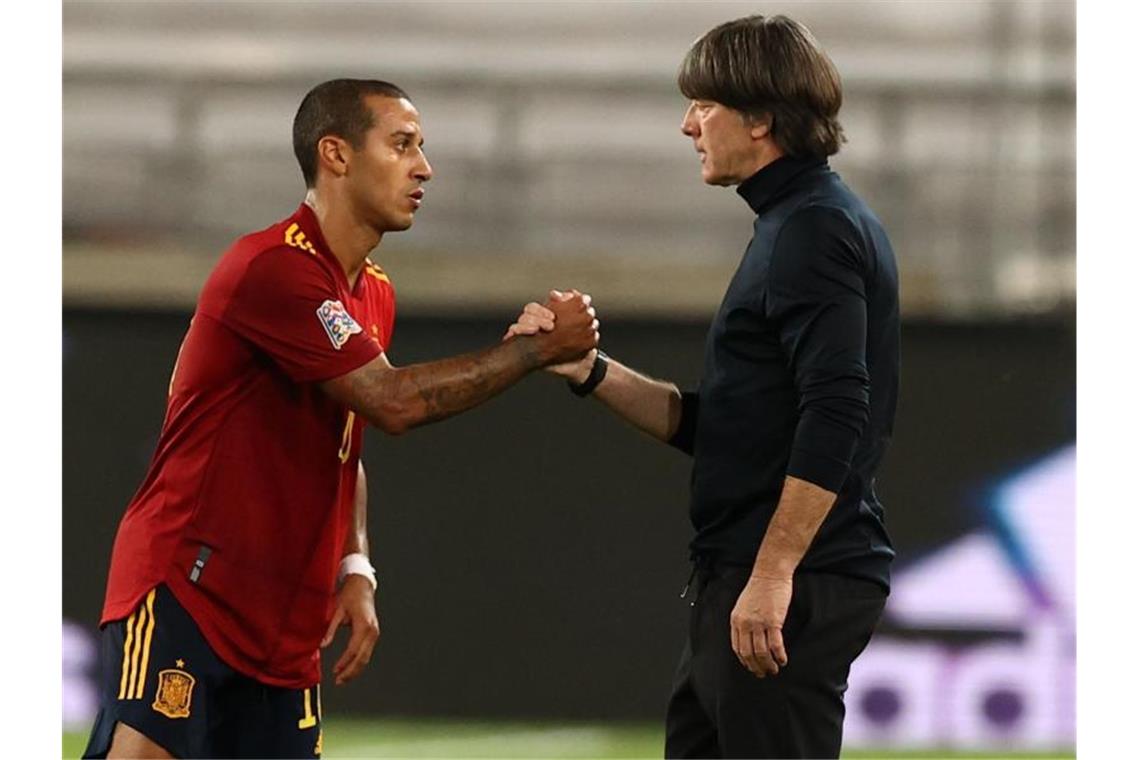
x=173 y=697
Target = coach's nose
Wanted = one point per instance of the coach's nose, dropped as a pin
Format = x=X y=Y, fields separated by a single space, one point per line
x=690 y=127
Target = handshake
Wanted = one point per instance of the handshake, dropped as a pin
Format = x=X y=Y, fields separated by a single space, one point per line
x=565 y=329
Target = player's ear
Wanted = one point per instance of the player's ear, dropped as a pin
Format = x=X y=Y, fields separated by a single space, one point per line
x=332 y=154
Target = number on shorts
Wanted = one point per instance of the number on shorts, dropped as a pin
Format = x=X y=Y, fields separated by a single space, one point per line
x=310 y=720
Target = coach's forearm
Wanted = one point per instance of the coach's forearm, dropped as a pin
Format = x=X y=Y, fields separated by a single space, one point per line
x=802 y=509
x=653 y=406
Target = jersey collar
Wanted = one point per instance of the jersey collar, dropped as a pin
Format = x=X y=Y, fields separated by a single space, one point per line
x=306 y=218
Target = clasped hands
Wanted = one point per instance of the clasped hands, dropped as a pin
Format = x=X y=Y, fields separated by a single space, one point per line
x=538 y=318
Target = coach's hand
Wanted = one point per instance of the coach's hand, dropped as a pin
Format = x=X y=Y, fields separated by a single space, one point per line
x=356 y=606
x=757 y=623
x=537 y=318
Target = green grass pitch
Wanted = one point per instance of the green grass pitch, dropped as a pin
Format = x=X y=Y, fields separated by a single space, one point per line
x=391 y=738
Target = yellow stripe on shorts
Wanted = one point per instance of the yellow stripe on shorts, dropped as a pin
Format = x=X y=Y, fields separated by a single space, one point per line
x=135 y=652
x=146 y=643
x=140 y=629
x=127 y=655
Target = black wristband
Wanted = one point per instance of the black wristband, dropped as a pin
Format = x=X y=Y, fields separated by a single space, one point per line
x=597 y=374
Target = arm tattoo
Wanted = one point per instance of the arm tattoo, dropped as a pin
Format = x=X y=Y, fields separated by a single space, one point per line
x=422 y=393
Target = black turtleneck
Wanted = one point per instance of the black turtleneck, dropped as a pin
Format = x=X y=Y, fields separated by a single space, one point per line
x=801 y=375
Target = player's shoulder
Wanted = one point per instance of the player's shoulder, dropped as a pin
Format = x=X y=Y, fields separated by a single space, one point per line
x=277 y=258
x=281 y=248
x=283 y=237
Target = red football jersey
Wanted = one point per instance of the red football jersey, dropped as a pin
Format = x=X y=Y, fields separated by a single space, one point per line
x=248 y=500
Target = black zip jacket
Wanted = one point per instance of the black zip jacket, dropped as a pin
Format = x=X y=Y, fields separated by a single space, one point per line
x=801 y=375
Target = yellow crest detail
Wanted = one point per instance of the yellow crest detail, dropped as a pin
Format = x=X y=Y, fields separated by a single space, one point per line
x=378 y=273
x=296 y=238
x=173 y=697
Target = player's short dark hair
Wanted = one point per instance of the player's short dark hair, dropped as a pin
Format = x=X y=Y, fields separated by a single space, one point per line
x=770 y=67
x=335 y=108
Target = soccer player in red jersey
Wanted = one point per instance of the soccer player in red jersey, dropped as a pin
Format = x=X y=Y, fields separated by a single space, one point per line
x=245 y=547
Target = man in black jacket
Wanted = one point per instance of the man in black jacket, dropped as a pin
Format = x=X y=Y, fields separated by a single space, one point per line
x=792 y=416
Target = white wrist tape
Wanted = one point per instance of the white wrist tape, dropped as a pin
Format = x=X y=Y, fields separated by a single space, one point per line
x=356 y=564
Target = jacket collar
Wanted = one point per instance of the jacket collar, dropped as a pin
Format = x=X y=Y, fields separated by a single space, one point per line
x=762 y=188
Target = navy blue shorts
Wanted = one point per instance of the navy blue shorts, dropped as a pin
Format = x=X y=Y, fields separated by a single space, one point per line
x=160 y=677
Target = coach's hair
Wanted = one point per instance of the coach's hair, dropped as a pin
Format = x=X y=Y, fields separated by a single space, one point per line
x=770 y=67
x=335 y=108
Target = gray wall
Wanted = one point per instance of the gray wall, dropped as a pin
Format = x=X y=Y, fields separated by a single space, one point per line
x=531 y=551
x=553 y=131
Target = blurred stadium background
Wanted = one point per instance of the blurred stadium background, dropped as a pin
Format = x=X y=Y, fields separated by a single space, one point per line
x=531 y=552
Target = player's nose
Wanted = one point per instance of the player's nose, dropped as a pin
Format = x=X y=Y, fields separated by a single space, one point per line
x=423 y=172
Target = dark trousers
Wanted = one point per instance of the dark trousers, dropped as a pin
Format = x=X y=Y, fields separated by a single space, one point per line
x=719 y=709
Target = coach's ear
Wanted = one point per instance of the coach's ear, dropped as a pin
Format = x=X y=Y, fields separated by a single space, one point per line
x=332 y=154
x=760 y=125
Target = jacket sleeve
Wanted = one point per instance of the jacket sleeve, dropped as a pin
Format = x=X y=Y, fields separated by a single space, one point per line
x=816 y=297
x=686 y=433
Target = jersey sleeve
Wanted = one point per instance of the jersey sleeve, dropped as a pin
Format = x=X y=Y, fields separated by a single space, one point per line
x=287 y=304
